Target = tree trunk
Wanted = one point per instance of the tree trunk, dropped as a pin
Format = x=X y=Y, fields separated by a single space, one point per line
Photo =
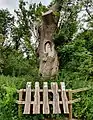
x=48 y=56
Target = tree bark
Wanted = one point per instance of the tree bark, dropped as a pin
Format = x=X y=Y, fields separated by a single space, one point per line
x=48 y=56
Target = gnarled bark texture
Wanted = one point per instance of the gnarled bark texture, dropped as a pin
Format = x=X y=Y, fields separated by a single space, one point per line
x=48 y=56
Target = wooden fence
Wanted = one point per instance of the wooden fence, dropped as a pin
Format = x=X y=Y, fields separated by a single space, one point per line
x=56 y=100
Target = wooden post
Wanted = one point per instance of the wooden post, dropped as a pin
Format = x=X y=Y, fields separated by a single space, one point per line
x=20 y=105
x=45 y=99
x=64 y=98
x=56 y=107
x=36 y=105
x=27 y=99
x=70 y=105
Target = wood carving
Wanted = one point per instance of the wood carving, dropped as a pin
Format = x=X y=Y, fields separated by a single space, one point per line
x=48 y=56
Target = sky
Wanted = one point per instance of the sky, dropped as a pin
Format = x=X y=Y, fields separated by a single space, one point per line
x=13 y=4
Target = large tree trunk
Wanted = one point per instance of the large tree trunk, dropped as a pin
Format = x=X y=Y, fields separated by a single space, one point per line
x=47 y=54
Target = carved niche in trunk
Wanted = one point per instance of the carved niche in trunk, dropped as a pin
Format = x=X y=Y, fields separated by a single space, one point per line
x=48 y=56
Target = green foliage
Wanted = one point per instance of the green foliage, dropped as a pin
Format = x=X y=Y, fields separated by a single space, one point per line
x=16 y=65
x=12 y=48
x=87 y=35
x=6 y=22
x=75 y=56
x=8 y=107
x=68 y=24
x=24 y=34
x=1 y=61
x=76 y=70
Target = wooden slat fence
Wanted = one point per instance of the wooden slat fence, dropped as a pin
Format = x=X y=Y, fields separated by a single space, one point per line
x=37 y=101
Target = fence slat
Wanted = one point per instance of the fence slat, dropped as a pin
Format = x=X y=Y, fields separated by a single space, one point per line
x=70 y=105
x=20 y=105
x=64 y=98
x=36 y=105
x=45 y=99
x=27 y=98
x=50 y=102
x=56 y=107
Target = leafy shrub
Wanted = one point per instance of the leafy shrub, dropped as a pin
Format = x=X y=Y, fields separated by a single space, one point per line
x=76 y=70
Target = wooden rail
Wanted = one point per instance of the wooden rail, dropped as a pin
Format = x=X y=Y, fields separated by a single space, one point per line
x=37 y=101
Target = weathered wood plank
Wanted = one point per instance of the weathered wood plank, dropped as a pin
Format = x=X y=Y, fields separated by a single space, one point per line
x=56 y=107
x=67 y=90
x=70 y=105
x=45 y=99
x=41 y=90
x=27 y=98
x=20 y=105
x=50 y=102
x=80 y=90
x=36 y=105
x=64 y=98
